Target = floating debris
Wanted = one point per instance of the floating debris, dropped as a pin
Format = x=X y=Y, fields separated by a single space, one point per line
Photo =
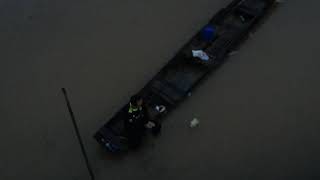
x=194 y=123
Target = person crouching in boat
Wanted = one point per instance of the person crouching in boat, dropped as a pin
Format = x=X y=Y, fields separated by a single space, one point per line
x=137 y=121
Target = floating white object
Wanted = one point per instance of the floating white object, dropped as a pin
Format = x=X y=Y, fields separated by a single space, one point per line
x=195 y=122
x=200 y=54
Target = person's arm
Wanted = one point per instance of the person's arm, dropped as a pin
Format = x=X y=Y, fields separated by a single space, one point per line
x=127 y=118
x=148 y=123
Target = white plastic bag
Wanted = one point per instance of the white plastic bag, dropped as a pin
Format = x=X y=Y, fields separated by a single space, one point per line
x=200 y=54
x=194 y=123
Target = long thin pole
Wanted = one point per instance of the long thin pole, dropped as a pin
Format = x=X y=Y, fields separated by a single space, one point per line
x=83 y=150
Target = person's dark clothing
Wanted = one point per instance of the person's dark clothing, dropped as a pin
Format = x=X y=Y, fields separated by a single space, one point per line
x=135 y=124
